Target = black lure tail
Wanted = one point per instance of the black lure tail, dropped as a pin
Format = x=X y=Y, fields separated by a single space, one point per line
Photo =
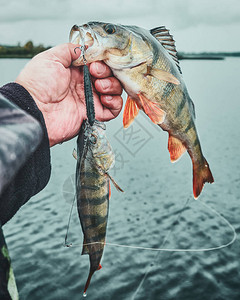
x=88 y=95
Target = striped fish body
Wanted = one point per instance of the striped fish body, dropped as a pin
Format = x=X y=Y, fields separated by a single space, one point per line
x=146 y=64
x=177 y=115
x=95 y=157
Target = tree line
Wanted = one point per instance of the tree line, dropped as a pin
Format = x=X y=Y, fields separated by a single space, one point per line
x=26 y=51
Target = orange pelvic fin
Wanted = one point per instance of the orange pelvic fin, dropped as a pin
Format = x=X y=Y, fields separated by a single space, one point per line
x=201 y=174
x=130 y=112
x=155 y=113
x=175 y=148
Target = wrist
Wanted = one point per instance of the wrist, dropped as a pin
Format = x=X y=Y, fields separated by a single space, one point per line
x=19 y=95
x=47 y=120
x=39 y=106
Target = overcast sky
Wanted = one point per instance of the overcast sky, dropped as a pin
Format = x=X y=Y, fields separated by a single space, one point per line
x=197 y=25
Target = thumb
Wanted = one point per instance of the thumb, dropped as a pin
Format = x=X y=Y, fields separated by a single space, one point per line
x=64 y=53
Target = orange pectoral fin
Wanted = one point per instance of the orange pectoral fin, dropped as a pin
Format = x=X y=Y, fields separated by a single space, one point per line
x=175 y=148
x=155 y=113
x=130 y=112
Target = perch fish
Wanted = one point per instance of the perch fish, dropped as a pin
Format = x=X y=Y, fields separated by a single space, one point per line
x=94 y=157
x=146 y=64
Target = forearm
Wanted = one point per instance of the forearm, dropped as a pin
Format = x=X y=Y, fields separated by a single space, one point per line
x=34 y=174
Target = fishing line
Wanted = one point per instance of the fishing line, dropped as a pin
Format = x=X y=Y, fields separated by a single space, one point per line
x=167 y=236
x=188 y=250
x=88 y=92
x=158 y=253
x=162 y=249
x=66 y=244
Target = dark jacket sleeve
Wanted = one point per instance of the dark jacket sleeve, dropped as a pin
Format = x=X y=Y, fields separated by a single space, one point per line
x=33 y=175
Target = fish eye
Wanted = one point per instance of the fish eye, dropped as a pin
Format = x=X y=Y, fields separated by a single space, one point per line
x=110 y=29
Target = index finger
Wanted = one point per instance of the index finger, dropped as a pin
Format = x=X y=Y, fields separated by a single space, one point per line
x=99 y=69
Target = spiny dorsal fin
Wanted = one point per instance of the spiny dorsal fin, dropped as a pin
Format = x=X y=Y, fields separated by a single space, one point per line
x=167 y=41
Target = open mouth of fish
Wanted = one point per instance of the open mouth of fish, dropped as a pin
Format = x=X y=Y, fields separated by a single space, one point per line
x=82 y=35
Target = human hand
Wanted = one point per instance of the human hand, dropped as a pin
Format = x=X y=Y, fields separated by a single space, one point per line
x=58 y=90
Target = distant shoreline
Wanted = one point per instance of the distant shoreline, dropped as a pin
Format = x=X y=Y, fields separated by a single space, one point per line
x=200 y=56
x=29 y=50
x=18 y=51
x=192 y=56
x=181 y=56
x=16 y=56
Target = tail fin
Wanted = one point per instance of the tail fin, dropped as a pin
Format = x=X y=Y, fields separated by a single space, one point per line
x=88 y=282
x=201 y=174
x=89 y=279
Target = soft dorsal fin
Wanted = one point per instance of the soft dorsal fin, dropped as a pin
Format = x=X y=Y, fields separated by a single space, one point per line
x=167 y=41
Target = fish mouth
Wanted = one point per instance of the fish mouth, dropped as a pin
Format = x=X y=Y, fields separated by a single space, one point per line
x=84 y=36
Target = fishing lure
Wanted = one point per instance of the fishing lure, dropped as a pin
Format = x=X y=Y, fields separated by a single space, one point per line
x=88 y=92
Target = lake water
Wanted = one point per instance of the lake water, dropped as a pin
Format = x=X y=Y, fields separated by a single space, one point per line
x=157 y=209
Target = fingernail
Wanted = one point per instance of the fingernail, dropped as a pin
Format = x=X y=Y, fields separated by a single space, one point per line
x=100 y=68
x=105 y=83
x=108 y=98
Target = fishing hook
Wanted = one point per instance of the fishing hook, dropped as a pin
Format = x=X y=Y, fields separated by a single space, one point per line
x=82 y=48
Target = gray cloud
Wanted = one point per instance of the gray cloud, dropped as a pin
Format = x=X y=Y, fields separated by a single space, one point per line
x=209 y=12
x=184 y=13
x=15 y=11
x=206 y=22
